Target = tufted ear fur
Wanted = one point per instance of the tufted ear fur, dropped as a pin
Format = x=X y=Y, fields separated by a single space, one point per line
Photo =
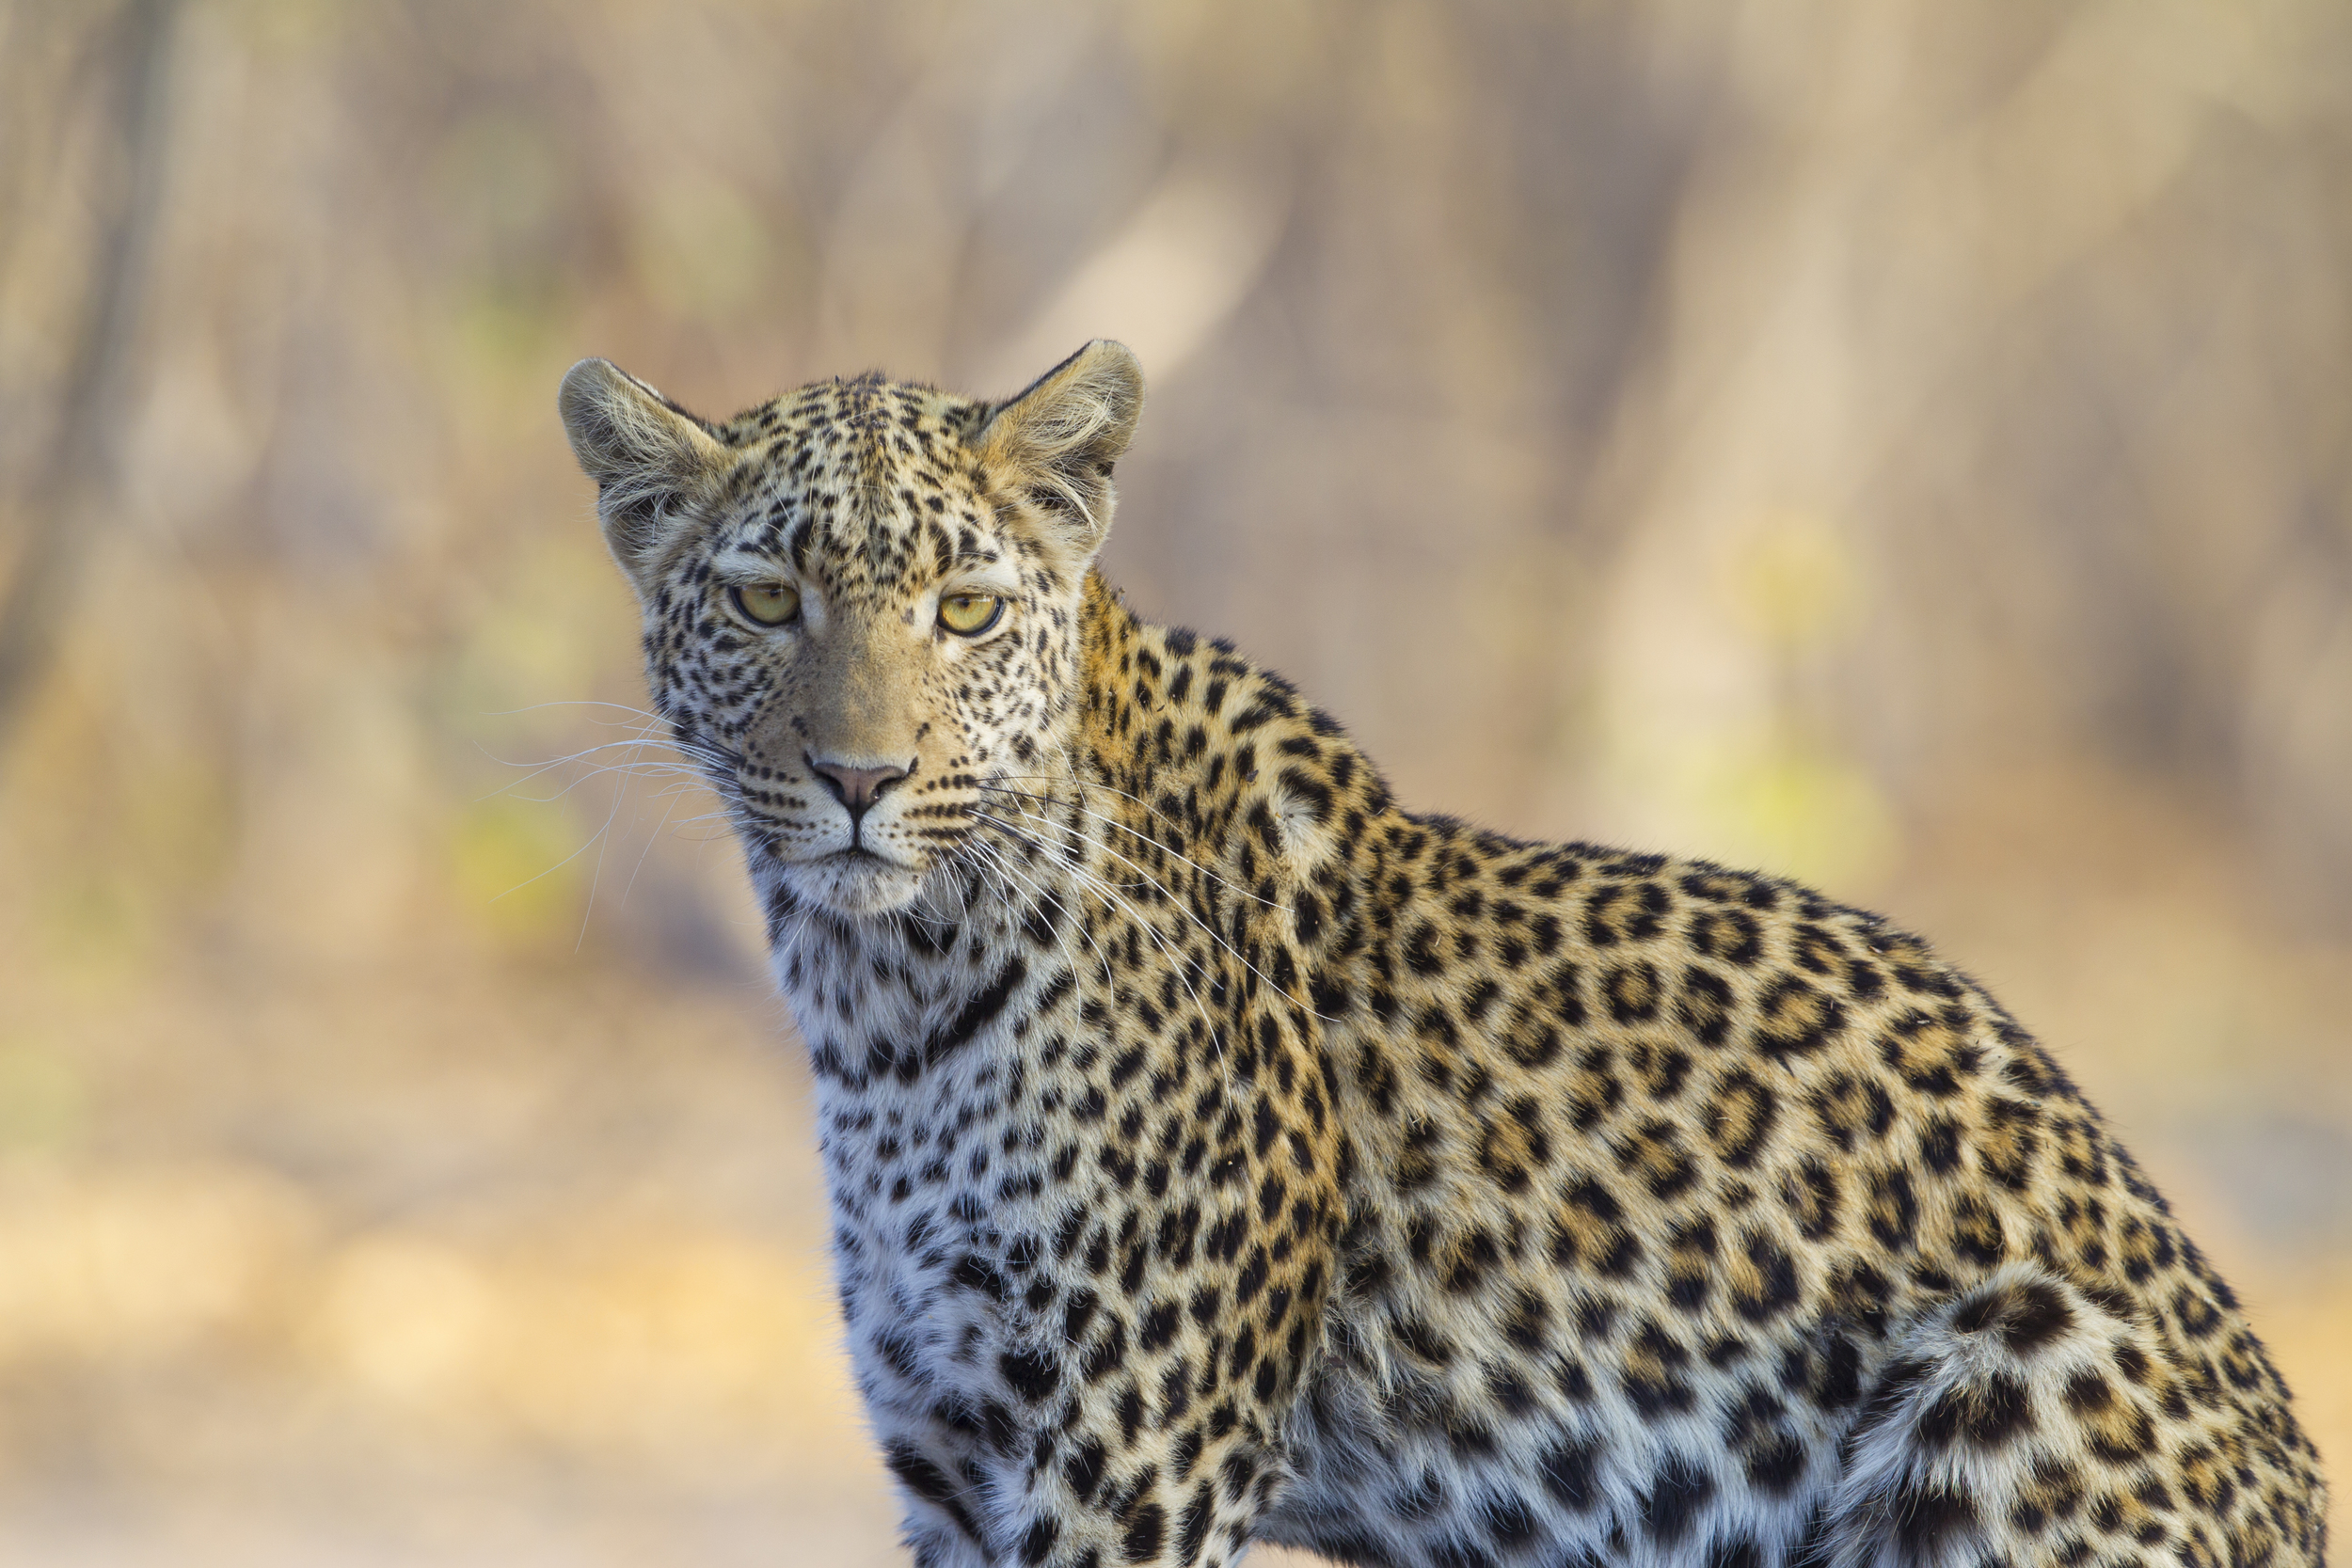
x=1062 y=435
x=649 y=457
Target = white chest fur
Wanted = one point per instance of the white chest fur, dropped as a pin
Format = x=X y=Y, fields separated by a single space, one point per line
x=934 y=1122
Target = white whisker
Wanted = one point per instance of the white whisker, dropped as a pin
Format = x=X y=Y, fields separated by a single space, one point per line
x=1137 y=832
x=1181 y=906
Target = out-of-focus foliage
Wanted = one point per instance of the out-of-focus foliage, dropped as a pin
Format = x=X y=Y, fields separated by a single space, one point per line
x=1908 y=444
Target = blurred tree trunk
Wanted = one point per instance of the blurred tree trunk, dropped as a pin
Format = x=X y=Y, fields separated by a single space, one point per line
x=61 y=504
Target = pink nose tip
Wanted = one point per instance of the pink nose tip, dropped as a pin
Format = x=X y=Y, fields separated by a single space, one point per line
x=856 y=789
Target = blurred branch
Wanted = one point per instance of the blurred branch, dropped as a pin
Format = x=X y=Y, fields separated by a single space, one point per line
x=57 y=506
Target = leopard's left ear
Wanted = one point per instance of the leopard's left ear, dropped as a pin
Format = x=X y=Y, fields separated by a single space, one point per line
x=1059 y=437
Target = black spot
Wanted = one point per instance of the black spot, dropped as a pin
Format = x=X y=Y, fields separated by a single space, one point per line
x=1194 y=1531
x=1631 y=991
x=1731 y=934
x=1775 y=1467
x=1108 y=1354
x=1810 y=1193
x=1740 y=1118
x=975 y=1016
x=930 y=1482
x=1311 y=790
x=1939 y=1146
x=1737 y=1552
x=1253 y=1278
x=1083 y=1470
x=1570 y=1473
x=1976 y=1233
x=1510 y=1391
x=1623 y=911
x=1145 y=1526
x=1773 y=1288
x=1511 y=1523
x=1840 y=1382
x=1675 y=1498
x=2120 y=1442
x=1653 y=1376
x=1159 y=1327
x=1425 y=1341
x=1894 y=1210
x=1797 y=1019
x=898 y=1351
x=1468 y=1440
x=2199 y=1317
x=1705 y=1006
x=2087 y=1393
x=973 y=1273
x=1526 y=1325
x=1926 y=1518
x=2027 y=1317
x=1031 y=1373
x=1987 y=1417
x=1329 y=999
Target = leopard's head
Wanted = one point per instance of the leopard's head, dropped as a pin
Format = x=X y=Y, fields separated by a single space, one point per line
x=860 y=600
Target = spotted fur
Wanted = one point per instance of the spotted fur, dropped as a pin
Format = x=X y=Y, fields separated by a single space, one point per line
x=1220 y=1152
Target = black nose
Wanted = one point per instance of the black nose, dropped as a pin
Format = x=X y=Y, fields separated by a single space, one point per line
x=857 y=788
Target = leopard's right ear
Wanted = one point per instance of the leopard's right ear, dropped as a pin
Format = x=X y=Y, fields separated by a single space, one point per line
x=651 y=460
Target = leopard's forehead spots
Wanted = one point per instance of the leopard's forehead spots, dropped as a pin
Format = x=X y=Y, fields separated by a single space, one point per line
x=863 y=484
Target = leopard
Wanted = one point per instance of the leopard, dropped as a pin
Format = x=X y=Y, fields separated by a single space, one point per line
x=1219 y=1152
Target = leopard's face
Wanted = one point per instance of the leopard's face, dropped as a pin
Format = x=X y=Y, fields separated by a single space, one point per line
x=863 y=640
x=861 y=603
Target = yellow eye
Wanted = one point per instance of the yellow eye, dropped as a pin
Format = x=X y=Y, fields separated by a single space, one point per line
x=769 y=604
x=970 y=614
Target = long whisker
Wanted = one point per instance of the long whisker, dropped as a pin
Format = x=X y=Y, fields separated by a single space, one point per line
x=1122 y=826
x=1102 y=891
x=642 y=755
x=1184 y=909
x=603 y=841
x=1151 y=928
x=631 y=886
x=1003 y=868
x=639 y=743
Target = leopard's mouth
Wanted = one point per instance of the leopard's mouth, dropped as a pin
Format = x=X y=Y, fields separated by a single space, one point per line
x=848 y=858
x=859 y=856
x=853 y=880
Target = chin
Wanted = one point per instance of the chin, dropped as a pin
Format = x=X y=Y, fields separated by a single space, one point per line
x=855 y=885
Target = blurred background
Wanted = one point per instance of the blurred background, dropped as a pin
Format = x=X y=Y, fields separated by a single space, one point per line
x=1907 y=444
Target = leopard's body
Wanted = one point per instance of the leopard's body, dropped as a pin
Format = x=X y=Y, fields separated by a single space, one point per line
x=1220 y=1152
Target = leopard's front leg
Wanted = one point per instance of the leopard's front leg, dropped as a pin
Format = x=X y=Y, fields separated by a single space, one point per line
x=1107 y=1385
x=1072 y=1487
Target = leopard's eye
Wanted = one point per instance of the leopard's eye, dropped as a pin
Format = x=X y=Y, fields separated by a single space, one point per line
x=766 y=603
x=970 y=614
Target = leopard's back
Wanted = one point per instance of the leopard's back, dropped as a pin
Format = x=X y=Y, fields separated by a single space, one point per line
x=1675 y=1187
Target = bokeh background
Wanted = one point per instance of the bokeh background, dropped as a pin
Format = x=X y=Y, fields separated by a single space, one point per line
x=1905 y=443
